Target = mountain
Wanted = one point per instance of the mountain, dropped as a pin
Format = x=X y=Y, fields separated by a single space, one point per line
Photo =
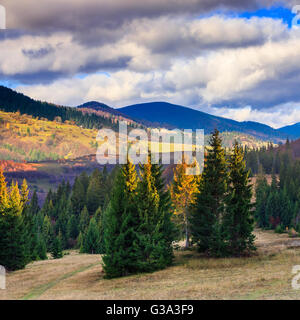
x=292 y=130
x=98 y=106
x=95 y=115
x=176 y=116
x=103 y=110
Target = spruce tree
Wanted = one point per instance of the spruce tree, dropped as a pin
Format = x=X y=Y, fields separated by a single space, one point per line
x=13 y=246
x=121 y=224
x=208 y=208
x=168 y=229
x=100 y=223
x=84 y=220
x=47 y=232
x=150 y=244
x=238 y=221
x=56 y=249
x=96 y=192
x=91 y=241
x=34 y=205
x=41 y=249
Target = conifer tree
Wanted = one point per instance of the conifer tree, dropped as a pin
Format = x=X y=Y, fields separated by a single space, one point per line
x=34 y=205
x=168 y=229
x=56 y=249
x=121 y=224
x=96 y=192
x=13 y=246
x=208 y=209
x=47 y=232
x=78 y=197
x=84 y=220
x=149 y=240
x=91 y=241
x=262 y=193
x=41 y=249
x=100 y=223
x=238 y=221
x=72 y=227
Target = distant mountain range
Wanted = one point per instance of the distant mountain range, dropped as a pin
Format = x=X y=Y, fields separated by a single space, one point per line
x=293 y=130
x=176 y=116
x=94 y=114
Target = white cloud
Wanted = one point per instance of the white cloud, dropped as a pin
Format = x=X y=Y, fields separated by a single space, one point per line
x=158 y=53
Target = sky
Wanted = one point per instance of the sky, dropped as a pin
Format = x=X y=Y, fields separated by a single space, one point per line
x=233 y=58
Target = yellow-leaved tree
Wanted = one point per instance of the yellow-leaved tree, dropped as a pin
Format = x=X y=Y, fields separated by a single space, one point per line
x=183 y=191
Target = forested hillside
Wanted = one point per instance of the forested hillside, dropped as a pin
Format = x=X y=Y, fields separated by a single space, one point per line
x=23 y=137
x=12 y=101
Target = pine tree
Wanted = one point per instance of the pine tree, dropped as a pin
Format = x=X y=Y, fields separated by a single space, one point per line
x=168 y=230
x=84 y=220
x=78 y=197
x=147 y=203
x=208 y=209
x=34 y=205
x=262 y=193
x=238 y=221
x=13 y=247
x=121 y=224
x=95 y=192
x=100 y=223
x=47 y=232
x=91 y=241
x=56 y=249
x=72 y=227
x=41 y=248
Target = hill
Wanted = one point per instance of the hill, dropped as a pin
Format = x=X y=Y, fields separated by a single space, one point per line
x=12 y=101
x=176 y=116
x=23 y=137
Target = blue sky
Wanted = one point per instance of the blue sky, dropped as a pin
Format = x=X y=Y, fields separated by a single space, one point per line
x=281 y=13
x=237 y=59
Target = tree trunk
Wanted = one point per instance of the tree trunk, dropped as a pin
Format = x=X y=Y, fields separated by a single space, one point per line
x=187 y=236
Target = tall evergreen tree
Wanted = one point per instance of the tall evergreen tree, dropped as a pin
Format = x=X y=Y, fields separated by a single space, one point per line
x=208 y=209
x=84 y=220
x=147 y=203
x=91 y=241
x=238 y=222
x=168 y=229
x=13 y=246
x=121 y=223
x=56 y=249
x=95 y=192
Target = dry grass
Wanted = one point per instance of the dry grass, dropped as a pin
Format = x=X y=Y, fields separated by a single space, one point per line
x=267 y=275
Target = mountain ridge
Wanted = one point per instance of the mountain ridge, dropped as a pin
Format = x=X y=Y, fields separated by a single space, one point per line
x=187 y=118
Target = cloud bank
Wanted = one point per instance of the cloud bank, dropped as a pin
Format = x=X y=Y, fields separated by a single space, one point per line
x=200 y=54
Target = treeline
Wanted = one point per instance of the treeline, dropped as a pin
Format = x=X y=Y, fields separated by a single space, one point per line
x=11 y=101
x=278 y=203
x=269 y=158
x=71 y=217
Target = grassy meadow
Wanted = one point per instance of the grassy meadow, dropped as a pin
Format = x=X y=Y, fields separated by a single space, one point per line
x=266 y=275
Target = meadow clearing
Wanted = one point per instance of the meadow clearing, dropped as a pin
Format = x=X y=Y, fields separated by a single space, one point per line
x=267 y=275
